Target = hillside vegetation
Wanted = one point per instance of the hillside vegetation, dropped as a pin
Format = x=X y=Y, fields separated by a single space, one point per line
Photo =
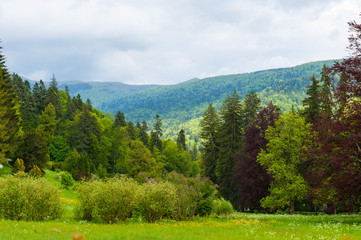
x=188 y=100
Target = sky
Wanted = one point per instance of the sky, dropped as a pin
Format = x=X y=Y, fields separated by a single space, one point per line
x=167 y=42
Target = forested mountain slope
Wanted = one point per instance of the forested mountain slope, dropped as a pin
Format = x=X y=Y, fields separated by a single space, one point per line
x=102 y=92
x=188 y=100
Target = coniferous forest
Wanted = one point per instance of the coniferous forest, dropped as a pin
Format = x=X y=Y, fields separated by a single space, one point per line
x=259 y=158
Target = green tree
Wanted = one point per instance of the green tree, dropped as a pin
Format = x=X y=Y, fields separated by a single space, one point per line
x=10 y=128
x=119 y=120
x=210 y=126
x=285 y=151
x=251 y=104
x=156 y=134
x=325 y=92
x=181 y=140
x=230 y=143
x=139 y=159
x=312 y=102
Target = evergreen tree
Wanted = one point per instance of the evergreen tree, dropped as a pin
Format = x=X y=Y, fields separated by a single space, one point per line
x=210 y=125
x=131 y=131
x=53 y=97
x=325 y=93
x=181 y=140
x=250 y=106
x=157 y=134
x=143 y=136
x=230 y=143
x=119 y=120
x=40 y=94
x=312 y=102
x=10 y=129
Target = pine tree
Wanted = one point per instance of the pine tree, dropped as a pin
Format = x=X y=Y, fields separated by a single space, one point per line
x=230 y=144
x=210 y=125
x=250 y=106
x=312 y=102
x=325 y=93
x=10 y=128
x=181 y=140
x=156 y=134
x=119 y=120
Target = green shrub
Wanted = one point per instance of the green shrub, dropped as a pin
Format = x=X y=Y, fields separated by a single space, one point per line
x=67 y=180
x=158 y=200
x=108 y=201
x=195 y=196
x=25 y=198
x=222 y=207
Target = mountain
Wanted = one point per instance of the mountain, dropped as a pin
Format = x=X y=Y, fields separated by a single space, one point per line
x=181 y=106
x=102 y=92
x=187 y=100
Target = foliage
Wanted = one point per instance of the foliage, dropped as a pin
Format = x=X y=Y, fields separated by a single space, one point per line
x=195 y=196
x=209 y=127
x=19 y=166
x=10 y=128
x=158 y=200
x=222 y=207
x=251 y=179
x=287 y=143
x=108 y=201
x=230 y=139
x=66 y=180
x=35 y=172
x=29 y=199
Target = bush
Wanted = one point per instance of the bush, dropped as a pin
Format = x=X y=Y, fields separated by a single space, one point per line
x=158 y=200
x=25 y=198
x=195 y=196
x=108 y=201
x=222 y=207
x=67 y=180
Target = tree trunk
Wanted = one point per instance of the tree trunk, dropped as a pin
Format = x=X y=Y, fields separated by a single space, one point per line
x=292 y=207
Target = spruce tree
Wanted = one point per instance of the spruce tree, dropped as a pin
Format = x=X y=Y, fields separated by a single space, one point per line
x=119 y=120
x=181 y=140
x=10 y=119
x=230 y=138
x=312 y=102
x=210 y=125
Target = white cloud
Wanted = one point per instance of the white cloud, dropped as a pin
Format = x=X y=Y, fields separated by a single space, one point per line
x=169 y=41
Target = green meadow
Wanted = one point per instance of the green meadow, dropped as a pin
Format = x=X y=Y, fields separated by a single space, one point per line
x=235 y=226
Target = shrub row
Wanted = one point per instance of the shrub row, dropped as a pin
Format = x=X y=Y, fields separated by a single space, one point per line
x=174 y=197
x=27 y=198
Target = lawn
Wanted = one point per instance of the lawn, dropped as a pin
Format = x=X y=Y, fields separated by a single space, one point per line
x=237 y=226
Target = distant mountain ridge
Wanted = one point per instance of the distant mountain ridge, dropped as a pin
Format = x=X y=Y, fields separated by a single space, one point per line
x=188 y=100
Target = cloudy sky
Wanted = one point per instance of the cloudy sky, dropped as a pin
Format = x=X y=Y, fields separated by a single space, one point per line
x=166 y=42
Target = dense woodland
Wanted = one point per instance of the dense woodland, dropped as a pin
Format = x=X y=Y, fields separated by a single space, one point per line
x=261 y=157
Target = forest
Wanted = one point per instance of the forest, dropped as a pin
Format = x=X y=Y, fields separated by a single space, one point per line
x=252 y=157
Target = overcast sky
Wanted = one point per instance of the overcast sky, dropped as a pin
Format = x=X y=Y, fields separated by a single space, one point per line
x=166 y=42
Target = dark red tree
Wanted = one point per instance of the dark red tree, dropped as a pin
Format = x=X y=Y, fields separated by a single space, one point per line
x=250 y=178
x=336 y=155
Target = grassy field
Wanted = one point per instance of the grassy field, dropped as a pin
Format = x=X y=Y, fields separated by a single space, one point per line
x=236 y=226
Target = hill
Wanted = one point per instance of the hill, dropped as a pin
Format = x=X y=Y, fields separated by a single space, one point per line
x=102 y=92
x=187 y=100
x=181 y=105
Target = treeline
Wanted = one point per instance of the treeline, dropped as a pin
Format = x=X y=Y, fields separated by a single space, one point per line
x=307 y=159
x=46 y=128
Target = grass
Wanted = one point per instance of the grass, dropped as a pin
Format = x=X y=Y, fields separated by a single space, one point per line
x=236 y=226
x=5 y=170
